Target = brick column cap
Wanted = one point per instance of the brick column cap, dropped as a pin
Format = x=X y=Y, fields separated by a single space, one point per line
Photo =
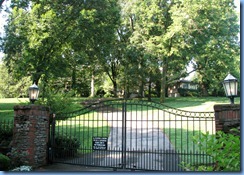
x=226 y=107
x=31 y=107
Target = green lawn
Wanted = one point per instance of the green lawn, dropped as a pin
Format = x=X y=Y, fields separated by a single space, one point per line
x=7 y=107
x=202 y=104
x=84 y=128
x=185 y=103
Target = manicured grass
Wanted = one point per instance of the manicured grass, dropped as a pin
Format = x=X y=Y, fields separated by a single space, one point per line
x=202 y=104
x=189 y=152
x=7 y=107
x=84 y=128
x=185 y=103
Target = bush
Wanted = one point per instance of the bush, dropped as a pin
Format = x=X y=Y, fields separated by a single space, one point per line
x=223 y=148
x=4 y=162
x=6 y=133
x=59 y=102
x=66 y=146
x=188 y=92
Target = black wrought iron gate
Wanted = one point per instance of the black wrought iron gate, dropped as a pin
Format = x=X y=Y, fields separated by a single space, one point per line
x=131 y=134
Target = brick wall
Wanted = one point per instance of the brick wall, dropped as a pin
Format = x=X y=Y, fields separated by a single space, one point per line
x=227 y=116
x=31 y=134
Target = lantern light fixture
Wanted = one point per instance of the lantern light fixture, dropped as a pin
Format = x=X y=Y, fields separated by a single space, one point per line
x=230 y=84
x=33 y=93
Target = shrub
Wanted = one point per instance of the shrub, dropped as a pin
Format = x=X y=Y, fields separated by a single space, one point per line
x=188 y=92
x=224 y=148
x=4 y=162
x=59 y=102
x=6 y=135
x=67 y=146
x=6 y=132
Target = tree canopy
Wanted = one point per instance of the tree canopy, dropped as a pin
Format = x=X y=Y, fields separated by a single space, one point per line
x=139 y=46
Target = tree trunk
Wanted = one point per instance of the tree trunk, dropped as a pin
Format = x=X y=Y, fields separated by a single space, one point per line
x=141 y=89
x=162 y=92
x=149 y=90
x=73 y=78
x=163 y=81
x=158 y=87
x=92 y=85
x=204 y=90
x=115 y=88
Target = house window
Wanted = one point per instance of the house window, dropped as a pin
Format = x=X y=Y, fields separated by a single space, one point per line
x=184 y=85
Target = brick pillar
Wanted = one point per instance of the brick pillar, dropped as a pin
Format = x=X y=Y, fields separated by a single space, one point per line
x=227 y=116
x=30 y=135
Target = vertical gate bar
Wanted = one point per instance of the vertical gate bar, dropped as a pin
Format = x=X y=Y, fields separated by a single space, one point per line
x=108 y=121
x=181 y=132
x=123 y=109
x=53 y=138
x=187 y=134
x=75 y=133
x=193 y=131
x=168 y=123
x=130 y=146
x=199 y=134
x=158 y=122
x=125 y=144
x=117 y=121
x=88 y=132
x=147 y=127
x=124 y=135
x=71 y=146
x=141 y=125
x=81 y=133
x=151 y=126
x=175 y=130
x=136 y=127
x=122 y=120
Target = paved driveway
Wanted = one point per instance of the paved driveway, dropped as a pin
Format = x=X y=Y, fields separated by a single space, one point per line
x=147 y=147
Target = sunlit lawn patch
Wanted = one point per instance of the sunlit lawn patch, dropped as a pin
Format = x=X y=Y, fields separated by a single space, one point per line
x=84 y=128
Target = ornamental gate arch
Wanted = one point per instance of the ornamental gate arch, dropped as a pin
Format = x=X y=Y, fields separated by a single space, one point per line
x=130 y=134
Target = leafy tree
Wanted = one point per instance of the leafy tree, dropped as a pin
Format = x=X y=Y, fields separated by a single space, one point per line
x=137 y=44
x=170 y=34
x=45 y=37
x=151 y=21
x=11 y=87
x=208 y=31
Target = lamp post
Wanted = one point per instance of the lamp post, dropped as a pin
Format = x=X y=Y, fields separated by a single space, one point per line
x=230 y=84
x=33 y=93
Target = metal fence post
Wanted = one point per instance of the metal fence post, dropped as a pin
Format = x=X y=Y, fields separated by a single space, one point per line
x=124 y=134
x=52 y=139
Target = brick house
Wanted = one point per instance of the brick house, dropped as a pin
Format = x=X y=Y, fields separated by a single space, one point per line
x=182 y=88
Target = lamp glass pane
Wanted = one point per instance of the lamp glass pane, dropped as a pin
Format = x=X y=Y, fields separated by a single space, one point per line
x=33 y=93
x=225 y=84
x=30 y=93
x=233 y=88
x=230 y=88
x=227 y=88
